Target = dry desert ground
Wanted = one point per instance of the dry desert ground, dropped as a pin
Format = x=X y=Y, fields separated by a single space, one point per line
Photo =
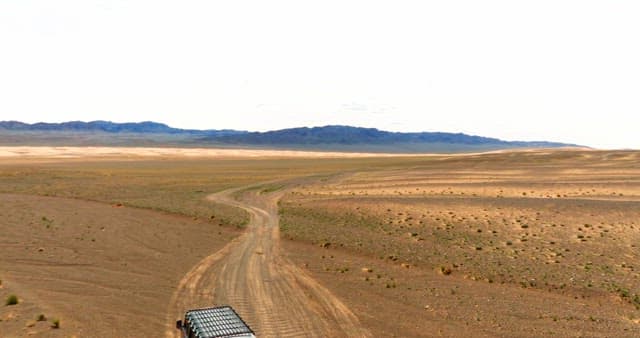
x=119 y=242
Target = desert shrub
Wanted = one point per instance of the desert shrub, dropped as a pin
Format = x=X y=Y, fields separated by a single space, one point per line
x=445 y=270
x=55 y=324
x=41 y=318
x=12 y=300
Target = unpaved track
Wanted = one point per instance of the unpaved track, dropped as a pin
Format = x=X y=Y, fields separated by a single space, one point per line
x=276 y=297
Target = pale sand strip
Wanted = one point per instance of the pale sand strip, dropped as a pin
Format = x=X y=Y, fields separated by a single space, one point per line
x=107 y=152
x=48 y=152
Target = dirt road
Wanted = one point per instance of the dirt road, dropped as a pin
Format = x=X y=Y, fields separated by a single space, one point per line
x=276 y=297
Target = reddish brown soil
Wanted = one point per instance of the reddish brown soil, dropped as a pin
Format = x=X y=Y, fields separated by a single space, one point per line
x=102 y=270
x=536 y=243
x=394 y=301
x=366 y=257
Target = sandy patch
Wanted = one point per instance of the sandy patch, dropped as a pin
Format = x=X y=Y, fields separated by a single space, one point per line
x=110 y=152
x=49 y=152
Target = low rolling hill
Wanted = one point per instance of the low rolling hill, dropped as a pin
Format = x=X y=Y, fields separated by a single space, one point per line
x=334 y=138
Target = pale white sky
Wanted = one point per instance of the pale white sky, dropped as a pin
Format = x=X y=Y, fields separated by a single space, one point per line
x=518 y=70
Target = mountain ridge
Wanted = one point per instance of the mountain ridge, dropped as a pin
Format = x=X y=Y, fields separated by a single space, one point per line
x=105 y=126
x=330 y=137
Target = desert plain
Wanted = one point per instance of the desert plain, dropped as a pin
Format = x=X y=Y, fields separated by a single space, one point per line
x=119 y=242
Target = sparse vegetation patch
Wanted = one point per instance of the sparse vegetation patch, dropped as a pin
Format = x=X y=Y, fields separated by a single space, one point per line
x=11 y=300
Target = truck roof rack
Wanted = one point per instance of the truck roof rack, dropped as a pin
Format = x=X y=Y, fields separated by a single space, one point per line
x=219 y=321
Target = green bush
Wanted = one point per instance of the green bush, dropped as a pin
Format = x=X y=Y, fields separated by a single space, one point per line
x=55 y=323
x=12 y=300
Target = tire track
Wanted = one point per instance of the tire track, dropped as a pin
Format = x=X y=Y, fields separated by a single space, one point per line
x=194 y=289
x=273 y=295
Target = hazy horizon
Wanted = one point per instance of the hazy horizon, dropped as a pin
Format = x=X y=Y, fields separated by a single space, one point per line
x=562 y=71
x=245 y=130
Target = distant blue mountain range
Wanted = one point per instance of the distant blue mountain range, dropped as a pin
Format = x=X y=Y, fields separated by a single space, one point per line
x=321 y=138
x=146 y=127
